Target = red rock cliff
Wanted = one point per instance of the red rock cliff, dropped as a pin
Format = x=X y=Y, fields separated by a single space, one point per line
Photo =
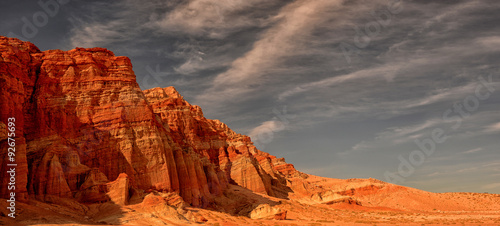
x=82 y=121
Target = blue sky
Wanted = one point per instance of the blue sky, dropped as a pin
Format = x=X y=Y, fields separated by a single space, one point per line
x=343 y=89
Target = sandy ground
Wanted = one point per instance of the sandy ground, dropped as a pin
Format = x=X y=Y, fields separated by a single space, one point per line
x=297 y=214
x=375 y=203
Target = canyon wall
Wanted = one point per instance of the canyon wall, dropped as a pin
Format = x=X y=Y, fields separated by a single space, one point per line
x=84 y=127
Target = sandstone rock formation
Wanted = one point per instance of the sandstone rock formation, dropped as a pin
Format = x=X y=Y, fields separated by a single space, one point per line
x=118 y=190
x=234 y=154
x=82 y=121
x=3 y=131
x=265 y=211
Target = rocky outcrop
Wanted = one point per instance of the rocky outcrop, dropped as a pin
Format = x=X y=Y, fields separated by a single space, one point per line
x=17 y=78
x=265 y=211
x=234 y=154
x=82 y=121
x=118 y=190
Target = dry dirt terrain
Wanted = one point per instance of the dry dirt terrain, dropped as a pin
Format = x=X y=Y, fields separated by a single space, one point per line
x=345 y=202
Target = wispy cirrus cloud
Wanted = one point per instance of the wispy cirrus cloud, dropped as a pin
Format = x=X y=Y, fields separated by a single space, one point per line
x=241 y=59
x=493 y=128
x=215 y=19
x=397 y=136
x=473 y=151
x=281 y=40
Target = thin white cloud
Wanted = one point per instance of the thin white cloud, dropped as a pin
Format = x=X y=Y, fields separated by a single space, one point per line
x=397 y=135
x=397 y=65
x=376 y=73
x=296 y=19
x=489 y=42
x=450 y=16
x=110 y=22
x=95 y=34
x=434 y=174
x=198 y=57
x=264 y=133
x=443 y=95
x=408 y=133
x=363 y=145
x=352 y=106
x=212 y=18
x=267 y=125
x=473 y=151
x=494 y=128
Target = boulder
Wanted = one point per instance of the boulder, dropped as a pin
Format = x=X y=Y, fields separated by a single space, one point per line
x=268 y=212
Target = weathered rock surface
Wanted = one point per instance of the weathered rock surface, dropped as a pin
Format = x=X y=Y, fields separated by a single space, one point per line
x=82 y=121
x=265 y=211
x=17 y=78
x=233 y=153
x=3 y=131
x=118 y=190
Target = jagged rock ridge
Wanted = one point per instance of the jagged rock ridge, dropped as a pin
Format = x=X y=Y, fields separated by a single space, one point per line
x=82 y=121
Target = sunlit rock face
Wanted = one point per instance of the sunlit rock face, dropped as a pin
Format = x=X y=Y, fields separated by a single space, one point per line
x=85 y=130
